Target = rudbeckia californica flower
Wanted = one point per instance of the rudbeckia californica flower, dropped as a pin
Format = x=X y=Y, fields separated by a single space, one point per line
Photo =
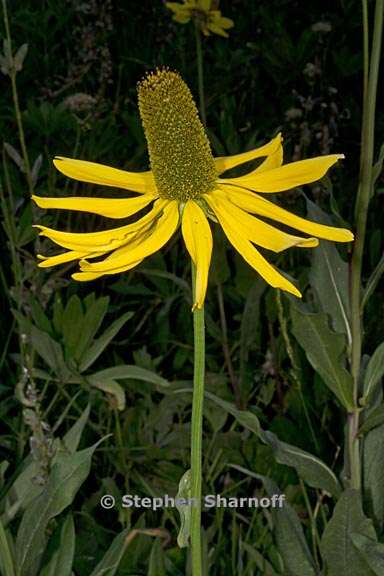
x=185 y=187
x=204 y=13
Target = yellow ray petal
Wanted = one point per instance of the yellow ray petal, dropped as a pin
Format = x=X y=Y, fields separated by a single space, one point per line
x=95 y=173
x=125 y=257
x=224 y=163
x=286 y=177
x=258 y=205
x=104 y=240
x=109 y=207
x=48 y=261
x=88 y=276
x=254 y=229
x=198 y=240
x=272 y=161
x=251 y=255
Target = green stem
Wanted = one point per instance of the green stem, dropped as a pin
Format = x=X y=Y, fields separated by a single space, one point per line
x=200 y=73
x=361 y=212
x=197 y=433
x=15 y=96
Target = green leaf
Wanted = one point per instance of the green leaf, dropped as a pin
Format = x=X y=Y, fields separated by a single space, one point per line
x=373 y=469
x=109 y=564
x=184 y=511
x=371 y=551
x=72 y=324
x=329 y=277
x=72 y=438
x=156 y=565
x=7 y=564
x=61 y=561
x=50 y=351
x=110 y=387
x=101 y=343
x=310 y=468
x=93 y=318
x=129 y=371
x=325 y=351
x=289 y=534
x=374 y=419
x=244 y=417
x=374 y=371
x=66 y=477
x=338 y=550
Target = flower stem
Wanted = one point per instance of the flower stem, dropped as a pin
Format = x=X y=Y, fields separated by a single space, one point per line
x=364 y=194
x=197 y=433
x=200 y=74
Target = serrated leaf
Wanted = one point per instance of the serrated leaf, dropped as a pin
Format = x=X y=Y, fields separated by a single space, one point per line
x=132 y=372
x=61 y=561
x=374 y=371
x=66 y=477
x=329 y=277
x=325 y=351
x=101 y=343
x=338 y=550
x=184 y=492
x=111 y=387
x=110 y=562
x=310 y=468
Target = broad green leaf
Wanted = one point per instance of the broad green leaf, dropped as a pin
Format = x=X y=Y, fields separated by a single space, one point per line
x=61 y=561
x=93 y=318
x=72 y=324
x=289 y=534
x=329 y=277
x=184 y=511
x=111 y=387
x=374 y=371
x=338 y=550
x=50 y=351
x=66 y=477
x=99 y=345
x=373 y=470
x=371 y=551
x=110 y=562
x=129 y=371
x=7 y=564
x=244 y=417
x=72 y=438
x=325 y=351
x=374 y=419
x=310 y=468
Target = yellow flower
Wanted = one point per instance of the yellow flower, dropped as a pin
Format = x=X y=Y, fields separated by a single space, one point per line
x=185 y=186
x=204 y=13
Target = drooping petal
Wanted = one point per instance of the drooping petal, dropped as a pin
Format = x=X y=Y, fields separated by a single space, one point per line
x=48 y=261
x=104 y=240
x=256 y=204
x=251 y=255
x=94 y=173
x=198 y=240
x=126 y=257
x=287 y=176
x=254 y=229
x=109 y=207
x=224 y=163
x=272 y=161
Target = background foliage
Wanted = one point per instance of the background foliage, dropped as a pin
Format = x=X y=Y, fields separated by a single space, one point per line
x=90 y=372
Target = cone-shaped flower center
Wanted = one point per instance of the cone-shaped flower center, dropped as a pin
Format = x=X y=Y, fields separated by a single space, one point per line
x=179 y=151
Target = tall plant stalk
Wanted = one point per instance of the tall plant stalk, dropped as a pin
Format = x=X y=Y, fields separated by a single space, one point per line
x=364 y=194
x=197 y=433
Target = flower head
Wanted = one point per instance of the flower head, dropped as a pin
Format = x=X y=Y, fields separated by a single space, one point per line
x=204 y=13
x=186 y=187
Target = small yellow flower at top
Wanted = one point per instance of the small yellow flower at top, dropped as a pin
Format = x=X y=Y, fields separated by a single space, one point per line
x=204 y=13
